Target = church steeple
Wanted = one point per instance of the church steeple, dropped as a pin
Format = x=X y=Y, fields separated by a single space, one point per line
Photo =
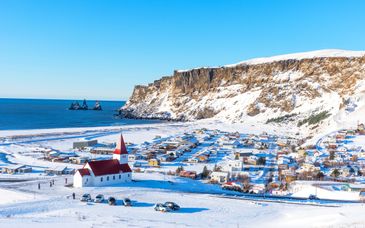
x=121 y=152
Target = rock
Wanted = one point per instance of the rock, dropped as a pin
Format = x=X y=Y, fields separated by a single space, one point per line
x=250 y=91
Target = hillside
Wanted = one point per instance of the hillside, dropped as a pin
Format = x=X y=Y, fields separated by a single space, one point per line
x=305 y=90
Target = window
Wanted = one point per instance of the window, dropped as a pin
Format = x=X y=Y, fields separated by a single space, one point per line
x=107 y=178
x=113 y=177
x=120 y=176
x=101 y=179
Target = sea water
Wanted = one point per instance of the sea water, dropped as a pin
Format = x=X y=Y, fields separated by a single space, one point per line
x=19 y=114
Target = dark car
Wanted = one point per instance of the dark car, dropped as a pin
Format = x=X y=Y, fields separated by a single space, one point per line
x=173 y=206
x=112 y=201
x=127 y=202
x=313 y=197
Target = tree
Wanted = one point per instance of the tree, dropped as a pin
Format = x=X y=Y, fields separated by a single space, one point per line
x=205 y=172
x=179 y=169
x=359 y=173
x=332 y=154
x=335 y=173
x=352 y=170
x=320 y=175
x=261 y=161
x=216 y=168
x=270 y=179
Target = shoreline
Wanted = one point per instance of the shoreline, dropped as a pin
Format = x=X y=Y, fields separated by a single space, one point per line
x=204 y=123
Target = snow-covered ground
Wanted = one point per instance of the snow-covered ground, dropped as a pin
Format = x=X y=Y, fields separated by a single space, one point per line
x=54 y=207
x=22 y=204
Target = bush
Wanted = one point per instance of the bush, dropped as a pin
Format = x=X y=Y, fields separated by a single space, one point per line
x=280 y=118
x=315 y=118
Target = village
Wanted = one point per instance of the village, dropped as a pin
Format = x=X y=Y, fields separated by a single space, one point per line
x=255 y=164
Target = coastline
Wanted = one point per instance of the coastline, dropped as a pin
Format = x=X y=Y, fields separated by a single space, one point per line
x=163 y=128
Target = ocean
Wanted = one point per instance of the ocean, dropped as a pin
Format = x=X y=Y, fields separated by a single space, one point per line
x=21 y=114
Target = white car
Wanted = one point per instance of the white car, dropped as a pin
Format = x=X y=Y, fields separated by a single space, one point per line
x=86 y=197
x=99 y=198
x=161 y=207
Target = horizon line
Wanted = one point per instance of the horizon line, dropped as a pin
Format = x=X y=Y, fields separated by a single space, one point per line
x=70 y=99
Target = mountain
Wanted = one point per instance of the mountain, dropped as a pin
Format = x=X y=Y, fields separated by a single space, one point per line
x=305 y=90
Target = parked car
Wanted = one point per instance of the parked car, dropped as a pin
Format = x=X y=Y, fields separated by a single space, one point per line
x=86 y=197
x=99 y=198
x=112 y=201
x=161 y=207
x=313 y=197
x=127 y=202
x=173 y=206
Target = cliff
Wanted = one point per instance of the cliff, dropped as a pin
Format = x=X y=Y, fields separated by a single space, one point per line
x=281 y=89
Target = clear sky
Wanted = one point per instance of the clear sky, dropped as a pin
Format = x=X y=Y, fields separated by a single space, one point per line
x=101 y=49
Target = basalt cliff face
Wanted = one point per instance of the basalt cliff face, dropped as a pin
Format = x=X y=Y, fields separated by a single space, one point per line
x=291 y=88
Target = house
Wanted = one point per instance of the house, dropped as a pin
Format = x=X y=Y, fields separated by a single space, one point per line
x=219 y=177
x=236 y=186
x=193 y=160
x=302 y=152
x=102 y=150
x=258 y=188
x=252 y=160
x=137 y=164
x=202 y=158
x=342 y=149
x=132 y=157
x=84 y=143
x=283 y=166
x=79 y=160
x=60 y=170
x=282 y=142
x=13 y=169
x=188 y=174
x=233 y=165
x=105 y=172
x=242 y=154
x=154 y=162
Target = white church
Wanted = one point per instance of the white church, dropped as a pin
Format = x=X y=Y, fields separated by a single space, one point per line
x=105 y=172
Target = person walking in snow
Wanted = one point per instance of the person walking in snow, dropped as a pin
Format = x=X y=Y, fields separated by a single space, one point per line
x=73 y=195
x=50 y=184
x=52 y=181
x=39 y=186
x=65 y=180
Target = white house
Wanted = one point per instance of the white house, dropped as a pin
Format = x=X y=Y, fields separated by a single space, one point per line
x=220 y=177
x=105 y=172
x=233 y=165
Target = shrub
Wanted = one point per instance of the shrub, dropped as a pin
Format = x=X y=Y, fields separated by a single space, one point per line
x=315 y=118
x=281 y=118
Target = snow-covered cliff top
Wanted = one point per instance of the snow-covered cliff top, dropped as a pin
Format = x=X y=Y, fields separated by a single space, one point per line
x=298 y=56
x=303 y=55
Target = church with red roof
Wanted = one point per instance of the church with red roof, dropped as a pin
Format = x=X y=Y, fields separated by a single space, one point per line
x=105 y=172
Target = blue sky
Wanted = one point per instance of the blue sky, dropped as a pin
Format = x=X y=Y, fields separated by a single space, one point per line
x=101 y=49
